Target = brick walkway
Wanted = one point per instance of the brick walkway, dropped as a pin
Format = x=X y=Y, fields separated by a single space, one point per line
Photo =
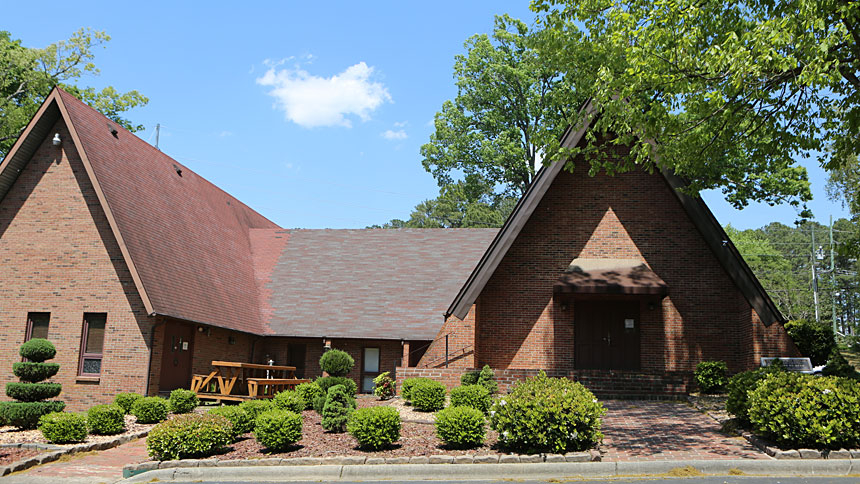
x=94 y=467
x=646 y=430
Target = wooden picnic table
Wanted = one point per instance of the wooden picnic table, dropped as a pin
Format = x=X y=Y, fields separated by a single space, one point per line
x=254 y=381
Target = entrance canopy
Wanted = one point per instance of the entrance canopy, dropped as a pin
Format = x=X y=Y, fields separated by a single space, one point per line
x=610 y=276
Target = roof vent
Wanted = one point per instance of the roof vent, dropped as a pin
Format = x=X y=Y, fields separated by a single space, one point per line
x=178 y=170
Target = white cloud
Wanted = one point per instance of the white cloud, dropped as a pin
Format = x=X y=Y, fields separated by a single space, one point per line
x=312 y=101
x=401 y=124
x=225 y=134
x=394 y=135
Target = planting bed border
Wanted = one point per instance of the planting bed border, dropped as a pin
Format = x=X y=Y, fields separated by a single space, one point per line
x=54 y=452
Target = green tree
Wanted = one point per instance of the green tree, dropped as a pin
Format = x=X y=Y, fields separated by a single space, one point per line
x=843 y=185
x=27 y=75
x=729 y=94
x=508 y=108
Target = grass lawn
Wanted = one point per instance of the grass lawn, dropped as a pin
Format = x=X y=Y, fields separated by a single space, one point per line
x=853 y=357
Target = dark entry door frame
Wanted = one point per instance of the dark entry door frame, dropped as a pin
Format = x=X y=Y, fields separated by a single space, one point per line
x=607 y=334
x=177 y=355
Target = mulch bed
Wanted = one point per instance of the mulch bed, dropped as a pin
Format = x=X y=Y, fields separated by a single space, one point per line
x=9 y=455
x=12 y=435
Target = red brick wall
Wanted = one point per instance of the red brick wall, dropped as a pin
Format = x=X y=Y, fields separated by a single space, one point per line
x=461 y=344
x=58 y=254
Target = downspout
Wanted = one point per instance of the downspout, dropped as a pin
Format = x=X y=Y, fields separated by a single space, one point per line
x=159 y=322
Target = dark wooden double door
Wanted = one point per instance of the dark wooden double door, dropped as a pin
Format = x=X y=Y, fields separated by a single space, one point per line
x=606 y=335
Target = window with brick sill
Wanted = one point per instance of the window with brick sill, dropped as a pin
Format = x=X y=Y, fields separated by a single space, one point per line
x=92 y=344
x=37 y=326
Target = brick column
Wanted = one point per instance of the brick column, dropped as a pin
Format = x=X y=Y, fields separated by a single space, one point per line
x=405 y=361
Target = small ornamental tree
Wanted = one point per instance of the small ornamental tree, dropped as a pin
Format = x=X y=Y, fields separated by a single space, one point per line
x=336 y=362
x=31 y=392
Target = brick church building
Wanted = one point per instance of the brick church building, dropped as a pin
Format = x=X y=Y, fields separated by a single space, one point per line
x=142 y=273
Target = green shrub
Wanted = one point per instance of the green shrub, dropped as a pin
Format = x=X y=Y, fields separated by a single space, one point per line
x=798 y=410
x=255 y=407
x=336 y=362
x=32 y=392
x=474 y=396
x=309 y=391
x=63 y=428
x=106 y=419
x=34 y=372
x=38 y=350
x=242 y=422
x=544 y=414
x=126 y=400
x=739 y=387
x=383 y=386
x=461 y=427
x=189 y=436
x=374 y=427
x=406 y=387
x=278 y=429
x=428 y=395
x=837 y=365
x=183 y=401
x=149 y=410
x=711 y=376
x=327 y=382
x=25 y=415
x=486 y=378
x=470 y=378
x=289 y=400
x=319 y=404
x=812 y=339
x=337 y=409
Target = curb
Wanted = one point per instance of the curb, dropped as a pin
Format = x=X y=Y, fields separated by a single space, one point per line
x=566 y=470
x=54 y=452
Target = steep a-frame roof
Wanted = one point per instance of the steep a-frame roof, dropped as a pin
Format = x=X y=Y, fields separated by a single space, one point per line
x=701 y=216
x=185 y=241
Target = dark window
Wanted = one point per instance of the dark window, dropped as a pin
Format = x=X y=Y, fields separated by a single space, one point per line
x=369 y=368
x=37 y=325
x=92 y=342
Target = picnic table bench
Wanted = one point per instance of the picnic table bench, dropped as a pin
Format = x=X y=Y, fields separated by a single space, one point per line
x=244 y=381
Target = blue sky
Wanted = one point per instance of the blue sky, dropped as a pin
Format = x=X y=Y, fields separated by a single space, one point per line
x=311 y=113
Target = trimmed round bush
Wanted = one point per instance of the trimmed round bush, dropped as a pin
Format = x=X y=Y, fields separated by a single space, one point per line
x=278 y=429
x=711 y=376
x=38 y=350
x=126 y=400
x=183 y=401
x=461 y=427
x=25 y=415
x=544 y=414
x=336 y=362
x=255 y=407
x=309 y=391
x=189 y=436
x=149 y=410
x=338 y=406
x=406 y=387
x=374 y=427
x=326 y=382
x=28 y=371
x=63 y=428
x=290 y=401
x=32 y=392
x=798 y=410
x=473 y=396
x=106 y=419
x=242 y=422
x=428 y=395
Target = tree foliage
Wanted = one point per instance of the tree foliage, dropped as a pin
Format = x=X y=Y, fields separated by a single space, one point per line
x=844 y=185
x=729 y=94
x=27 y=76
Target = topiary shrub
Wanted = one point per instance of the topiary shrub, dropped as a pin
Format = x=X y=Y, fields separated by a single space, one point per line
x=126 y=400
x=183 y=401
x=309 y=391
x=428 y=395
x=374 y=427
x=544 y=414
x=484 y=377
x=277 y=430
x=149 y=410
x=319 y=404
x=255 y=407
x=711 y=376
x=473 y=396
x=383 y=386
x=29 y=393
x=289 y=400
x=814 y=340
x=63 y=427
x=242 y=422
x=408 y=384
x=461 y=427
x=106 y=419
x=189 y=436
x=326 y=382
x=798 y=410
x=336 y=362
x=337 y=409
